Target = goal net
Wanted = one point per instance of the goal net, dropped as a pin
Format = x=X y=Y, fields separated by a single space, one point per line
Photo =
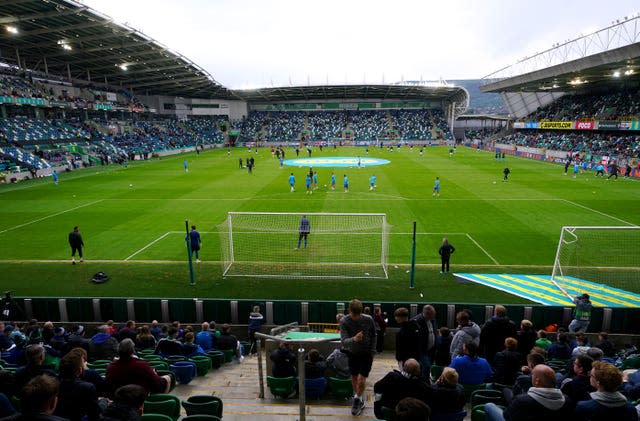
x=606 y=255
x=338 y=245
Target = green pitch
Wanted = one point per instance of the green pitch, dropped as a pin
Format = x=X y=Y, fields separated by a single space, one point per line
x=136 y=233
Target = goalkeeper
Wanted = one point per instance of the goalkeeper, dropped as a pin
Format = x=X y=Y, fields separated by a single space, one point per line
x=303 y=231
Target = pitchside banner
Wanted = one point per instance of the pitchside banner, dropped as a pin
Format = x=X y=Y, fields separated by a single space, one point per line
x=557 y=125
x=608 y=125
x=585 y=125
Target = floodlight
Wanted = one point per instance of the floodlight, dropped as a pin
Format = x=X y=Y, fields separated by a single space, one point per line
x=11 y=29
x=616 y=73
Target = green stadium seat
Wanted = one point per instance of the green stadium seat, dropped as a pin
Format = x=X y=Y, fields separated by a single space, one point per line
x=470 y=388
x=228 y=355
x=282 y=386
x=203 y=364
x=482 y=396
x=341 y=388
x=217 y=358
x=203 y=405
x=155 y=417
x=434 y=372
x=163 y=403
x=201 y=417
x=388 y=414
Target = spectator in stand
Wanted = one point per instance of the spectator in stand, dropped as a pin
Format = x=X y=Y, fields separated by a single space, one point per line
x=127 y=331
x=468 y=331
x=381 y=327
x=407 y=337
x=541 y=402
x=523 y=382
x=89 y=374
x=582 y=345
x=38 y=400
x=607 y=403
x=229 y=341
x=526 y=337
x=542 y=341
x=560 y=349
x=169 y=345
x=314 y=365
x=607 y=347
x=77 y=340
x=155 y=329
x=102 y=346
x=426 y=320
x=338 y=364
x=578 y=386
x=507 y=363
x=204 y=337
x=127 y=405
x=77 y=399
x=411 y=409
x=471 y=368
x=256 y=320
x=443 y=344
x=495 y=331
x=129 y=369
x=396 y=385
x=284 y=361
x=447 y=395
x=189 y=347
x=144 y=338
x=35 y=355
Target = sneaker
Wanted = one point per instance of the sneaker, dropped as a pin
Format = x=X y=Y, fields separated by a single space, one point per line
x=356 y=409
x=73 y=262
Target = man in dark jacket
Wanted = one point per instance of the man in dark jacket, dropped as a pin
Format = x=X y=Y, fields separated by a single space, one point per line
x=495 y=331
x=76 y=243
x=102 y=346
x=445 y=252
x=428 y=334
x=407 y=337
x=38 y=400
x=397 y=385
x=284 y=361
x=127 y=404
x=542 y=402
x=77 y=399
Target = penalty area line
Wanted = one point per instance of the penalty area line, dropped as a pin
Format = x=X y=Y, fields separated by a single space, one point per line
x=483 y=250
x=49 y=216
x=598 y=212
x=150 y=244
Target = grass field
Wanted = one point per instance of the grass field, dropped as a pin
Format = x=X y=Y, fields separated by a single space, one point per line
x=136 y=234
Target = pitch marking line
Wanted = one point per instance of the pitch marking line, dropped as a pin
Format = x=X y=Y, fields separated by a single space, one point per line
x=50 y=216
x=601 y=213
x=150 y=244
x=481 y=248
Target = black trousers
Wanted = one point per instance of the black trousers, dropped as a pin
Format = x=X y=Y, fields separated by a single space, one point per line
x=445 y=263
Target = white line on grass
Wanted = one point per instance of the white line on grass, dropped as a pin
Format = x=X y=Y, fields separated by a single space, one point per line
x=598 y=212
x=217 y=262
x=480 y=247
x=49 y=216
x=150 y=244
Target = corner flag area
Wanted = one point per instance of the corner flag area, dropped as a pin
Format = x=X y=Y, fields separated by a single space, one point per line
x=540 y=289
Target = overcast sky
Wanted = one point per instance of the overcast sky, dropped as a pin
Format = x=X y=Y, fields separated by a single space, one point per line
x=257 y=43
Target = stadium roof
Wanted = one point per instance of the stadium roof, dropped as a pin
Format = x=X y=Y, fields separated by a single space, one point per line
x=346 y=92
x=600 y=70
x=66 y=38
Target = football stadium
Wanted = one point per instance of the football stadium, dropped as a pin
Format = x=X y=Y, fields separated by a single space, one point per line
x=223 y=230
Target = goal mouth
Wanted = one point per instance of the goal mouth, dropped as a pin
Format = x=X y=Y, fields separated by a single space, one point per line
x=326 y=245
x=608 y=255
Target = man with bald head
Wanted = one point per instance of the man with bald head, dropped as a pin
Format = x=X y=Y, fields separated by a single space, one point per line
x=396 y=385
x=428 y=333
x=543 y=401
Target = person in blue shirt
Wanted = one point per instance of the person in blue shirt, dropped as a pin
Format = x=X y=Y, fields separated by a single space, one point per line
x=292 y=182
x=345 y=183
x=307 y=183
x=600 y=170
x=372 y=182
x=436 y=187
x=576 y=169
x=315 y=180
x=186 y=165
x=333 y=181
x=196 y=242
x=471 y=368
x=54 y=176
x=303 y=231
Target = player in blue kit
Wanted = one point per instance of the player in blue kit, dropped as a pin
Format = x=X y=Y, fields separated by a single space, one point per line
x=196 y=242
x=372 y=182
x=292 y=182
x=303 y=231
x=436 y=187
x=345 y=183
x=315 y=180
x=333 y=181
x=307 y=183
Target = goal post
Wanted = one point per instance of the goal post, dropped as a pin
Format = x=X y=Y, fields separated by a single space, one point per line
x=338 y=245
x=606 y=255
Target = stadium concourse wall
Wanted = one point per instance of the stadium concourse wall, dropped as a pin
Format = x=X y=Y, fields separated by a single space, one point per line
x=236 y=312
